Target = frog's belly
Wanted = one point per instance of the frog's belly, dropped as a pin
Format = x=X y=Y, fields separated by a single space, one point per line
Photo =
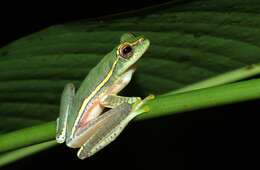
x=93 y=111
x=84 y=130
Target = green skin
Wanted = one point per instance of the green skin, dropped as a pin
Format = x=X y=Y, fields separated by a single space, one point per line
x=80 y=122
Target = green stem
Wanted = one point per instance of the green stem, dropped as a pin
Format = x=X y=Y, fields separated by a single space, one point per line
x=27 y=136
x=202 y=98
x=26 y=151
x=160 y=106
x=228 y=77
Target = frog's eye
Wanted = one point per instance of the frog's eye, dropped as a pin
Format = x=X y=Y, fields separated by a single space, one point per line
x=126 y=51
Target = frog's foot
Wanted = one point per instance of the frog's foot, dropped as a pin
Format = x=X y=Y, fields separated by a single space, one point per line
x=138 y=107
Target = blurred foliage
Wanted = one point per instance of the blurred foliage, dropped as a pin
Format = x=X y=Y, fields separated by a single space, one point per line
x=190 y=41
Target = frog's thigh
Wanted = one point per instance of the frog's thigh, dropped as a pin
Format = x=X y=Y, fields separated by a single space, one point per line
x=112 y=101
x=65 y=106
x=117 y=119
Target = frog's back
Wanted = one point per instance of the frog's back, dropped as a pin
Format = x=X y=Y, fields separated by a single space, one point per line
x=90 y=87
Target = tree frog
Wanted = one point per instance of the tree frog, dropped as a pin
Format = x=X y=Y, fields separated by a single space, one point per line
x=81 y=122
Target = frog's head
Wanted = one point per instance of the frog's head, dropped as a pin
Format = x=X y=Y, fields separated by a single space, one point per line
x=130 y=50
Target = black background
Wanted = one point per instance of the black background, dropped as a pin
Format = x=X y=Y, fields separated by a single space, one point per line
x=220 y=137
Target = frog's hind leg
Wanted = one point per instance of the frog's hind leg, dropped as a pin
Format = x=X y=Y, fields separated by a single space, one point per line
x=105 y=129
x=112 y=100
x=65 y=107
x=110 y=124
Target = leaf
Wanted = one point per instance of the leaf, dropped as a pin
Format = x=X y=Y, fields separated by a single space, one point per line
x=190 y=42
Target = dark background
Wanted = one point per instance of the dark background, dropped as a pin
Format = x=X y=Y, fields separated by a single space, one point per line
x=20 y=19
x=220 y=137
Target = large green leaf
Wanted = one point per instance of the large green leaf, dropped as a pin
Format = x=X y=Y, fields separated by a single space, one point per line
x=190 y=42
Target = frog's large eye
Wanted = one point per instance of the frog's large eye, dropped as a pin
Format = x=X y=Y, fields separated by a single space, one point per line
x=126 y=51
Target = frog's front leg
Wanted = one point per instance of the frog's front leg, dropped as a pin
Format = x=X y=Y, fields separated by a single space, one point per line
x=112 y=100
x=111 y=124
x=65 y=107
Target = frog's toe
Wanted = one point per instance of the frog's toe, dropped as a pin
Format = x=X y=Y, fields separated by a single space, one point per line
x=138 y=105
x=150 y=97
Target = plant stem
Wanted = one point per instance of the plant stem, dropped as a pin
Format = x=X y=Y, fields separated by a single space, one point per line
x=27 y=136
x=160 y=106
x=228 y=77
x=26 y=151
x=202 y=98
